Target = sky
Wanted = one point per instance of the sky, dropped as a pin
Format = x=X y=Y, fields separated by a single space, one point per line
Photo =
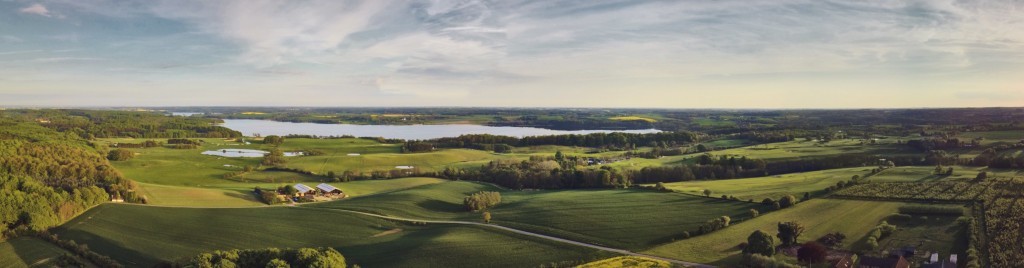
x=513 y=53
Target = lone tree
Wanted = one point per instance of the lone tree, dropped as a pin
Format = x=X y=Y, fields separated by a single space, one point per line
x=487 y=217
x=707 y=192
x=787 y=201
x=811 y=253
x=789 y=232
x=760 y=242
x=754 y=213
x=275 y=157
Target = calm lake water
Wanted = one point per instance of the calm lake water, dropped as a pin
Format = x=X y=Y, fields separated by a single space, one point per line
x=244 y=153
x=250 y=127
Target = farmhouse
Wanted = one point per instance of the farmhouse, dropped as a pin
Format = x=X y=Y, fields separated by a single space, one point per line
x=304 y=190
x=327 y=189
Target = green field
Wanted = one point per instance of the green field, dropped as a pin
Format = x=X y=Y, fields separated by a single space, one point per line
x=142 y=236
x=778 y=151
x=621 y=218
x=818 y=216
x=774 y=187
x=990 y=137
x=240 y=194
x=29 y=252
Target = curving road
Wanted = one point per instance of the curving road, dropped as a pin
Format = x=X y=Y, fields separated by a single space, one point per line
x=577 y=243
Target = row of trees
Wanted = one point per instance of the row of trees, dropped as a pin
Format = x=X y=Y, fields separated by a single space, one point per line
x=90 y=124
x=595 y=140
x=82 y=250
x=270 y=257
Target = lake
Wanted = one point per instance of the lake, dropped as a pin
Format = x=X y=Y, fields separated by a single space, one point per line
x=251 y=127
x=245 y=153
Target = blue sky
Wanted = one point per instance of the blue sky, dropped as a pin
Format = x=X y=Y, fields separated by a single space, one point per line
x=580 y=53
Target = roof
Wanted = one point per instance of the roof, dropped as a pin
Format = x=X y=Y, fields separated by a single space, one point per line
x=303 y=188
x=327 y=187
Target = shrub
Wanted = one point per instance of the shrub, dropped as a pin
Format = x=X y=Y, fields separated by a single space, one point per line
x=481 y=200
x=120 y=155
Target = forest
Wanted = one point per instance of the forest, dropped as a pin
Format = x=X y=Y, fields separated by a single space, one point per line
x=48 y=177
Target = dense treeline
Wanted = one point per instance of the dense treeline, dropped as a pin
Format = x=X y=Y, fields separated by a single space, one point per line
x=48 y=177
x=90 y=124
x=595 y=140
x=271 y=257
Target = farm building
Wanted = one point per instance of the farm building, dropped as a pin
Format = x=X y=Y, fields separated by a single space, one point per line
x=304 y=190
x=327 y=189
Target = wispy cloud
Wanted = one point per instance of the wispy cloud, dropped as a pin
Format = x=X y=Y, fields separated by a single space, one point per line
x=36 y=9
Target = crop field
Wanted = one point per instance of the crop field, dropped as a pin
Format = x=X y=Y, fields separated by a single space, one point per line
x=777 y=151
x=774 y=187
x=818 y=216
x=29 y=252
x=125 y=232
x=621 y=218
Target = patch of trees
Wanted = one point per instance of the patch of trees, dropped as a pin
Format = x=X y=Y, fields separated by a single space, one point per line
x=273 y=140
x=789 y=233
x=120 y=155
x=270 y=257
x=274 y=158
x=82 y=250
x=90 y=124
x=880 y=232
x=714 y=225
x=267 y=196
x=758 y=260
x=184 y=141
x=145 y=144
x=539 y=173
x=925 y=145
x=482 y=200
x=48 y=177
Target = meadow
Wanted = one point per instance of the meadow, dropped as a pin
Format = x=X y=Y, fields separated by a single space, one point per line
x=240 y=194
x=818 y=216
x=126 y=233
x=29 y=252
x=631 y=219
x=774 y=187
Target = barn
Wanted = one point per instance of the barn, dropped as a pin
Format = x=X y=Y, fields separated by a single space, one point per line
x=328 y=189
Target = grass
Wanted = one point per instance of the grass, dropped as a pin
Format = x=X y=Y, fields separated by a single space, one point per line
x=990 y=137
x=620 y=218
x=29 y=252
x=818 y=216
x=240 y=194
x=429 y=161
x=927 y=233
x=127 y=233
x=771 y=186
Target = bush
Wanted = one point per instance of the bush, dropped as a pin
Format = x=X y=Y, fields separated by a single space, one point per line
x=120 y=155
x=758 y=260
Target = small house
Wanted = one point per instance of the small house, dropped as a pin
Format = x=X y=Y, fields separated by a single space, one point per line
x=304 y=190
x=328 y=189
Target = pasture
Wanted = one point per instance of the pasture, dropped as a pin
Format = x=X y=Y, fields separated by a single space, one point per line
x=620 y=218
x=126 y=233
x=240 y=194
x=818 y=216
x=774 y=187
x=29 y=252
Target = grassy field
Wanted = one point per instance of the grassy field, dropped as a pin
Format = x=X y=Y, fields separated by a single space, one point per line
x=29 y=252
x=126 y=233
x=818 y=216
x=240 y=194
x=771 y=186
x=990 y=137
x=621 y=218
